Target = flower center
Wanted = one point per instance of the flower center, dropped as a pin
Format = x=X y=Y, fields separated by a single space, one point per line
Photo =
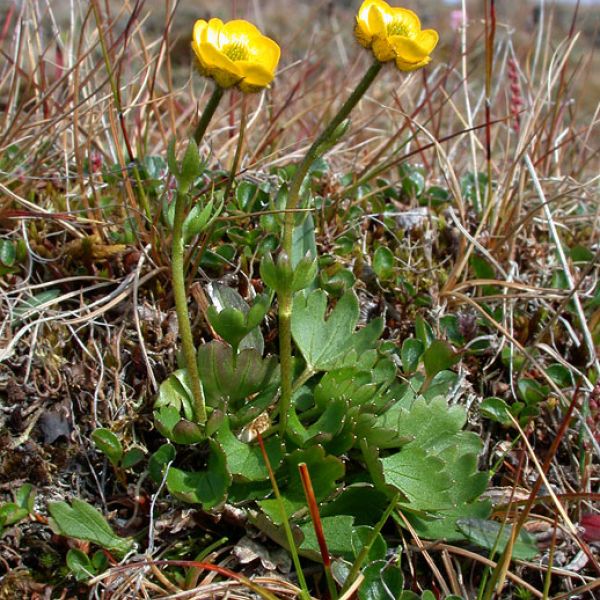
x=398 y=28
x=236 y=51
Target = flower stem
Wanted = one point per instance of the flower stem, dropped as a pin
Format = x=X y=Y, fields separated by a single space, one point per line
x=313 y=153
x=207 y=114
x=285 y=297
x=183 y=316
x=178 y=270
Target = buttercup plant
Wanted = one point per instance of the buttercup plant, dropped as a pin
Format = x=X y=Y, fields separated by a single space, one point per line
x=232 y=54
x=391 y=34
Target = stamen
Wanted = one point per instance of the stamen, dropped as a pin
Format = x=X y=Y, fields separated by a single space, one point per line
x=236 y=51
x=398 y=28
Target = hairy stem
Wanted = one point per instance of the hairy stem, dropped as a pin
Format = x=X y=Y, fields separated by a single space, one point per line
x=285 y=297
x=178 y=270
x=183 y=316
x=207 y=114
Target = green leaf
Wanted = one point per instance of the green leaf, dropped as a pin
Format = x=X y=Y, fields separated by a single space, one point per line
x=413 y=182
x=109 y=444
x=159 y=460
x=492 y=535
x=531 y=391
x=132 y=457
x=348 y=384
x=11 y=513
x=277 y=276
x=84 y=522
x=410 y=354
x=435 y=196
x=181 y=431
x=246 y=460
x=338 y=534
x=325 y=342
x=199 y=218
x=324 y=471
x=175 y=392
x=578 y=254
x=437 y=470
x=246 y=194
x=383 y=263
x=25 y=497
x=304 y=273
x=304 y=242
x=469 y=184
x=191 y=166
x=80 y=565
x=8 y=252
x=560 y=375
x=234 y=320
x=438 y=357
x=382 y=581
x=30 y=306
x=329 y=423
x=100 y=561
x=361 y=537
x=481 y=267
x=496 y=409
x=352 y=501
x=441 y=525
x=207 y=488
x=419 y=476
x=424 y=332
x=229 y=381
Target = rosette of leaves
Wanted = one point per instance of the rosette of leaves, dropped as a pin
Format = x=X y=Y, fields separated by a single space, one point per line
x=237 y=389
x=349 y=403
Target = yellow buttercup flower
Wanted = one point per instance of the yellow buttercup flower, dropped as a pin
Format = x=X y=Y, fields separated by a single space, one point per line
x=235 y=53
x=394 y=34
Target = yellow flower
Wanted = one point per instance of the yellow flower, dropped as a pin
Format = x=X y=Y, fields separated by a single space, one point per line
x=235 y=53
x=394 y=34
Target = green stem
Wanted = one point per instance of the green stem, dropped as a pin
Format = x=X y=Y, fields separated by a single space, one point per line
x=304 y=594
x=207 y=114
x=285 y=357
x=183 y=316
x=178 y=271
x=285 y=297
x=313 y=152
x=364 y=553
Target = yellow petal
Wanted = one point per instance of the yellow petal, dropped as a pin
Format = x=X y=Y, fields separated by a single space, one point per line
x=264 y=52
x=408 y=50
x=382 y=49
x=365 y=7
x=376 y=21
x=255 y=78
x=240 y=28
x=428 y=39
x=212 y=33
x=223 y=70
x=404 y=18
x=199 y=27
x=408 y=66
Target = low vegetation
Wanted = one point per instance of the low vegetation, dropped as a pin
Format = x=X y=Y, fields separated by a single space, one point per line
x=320 y=325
